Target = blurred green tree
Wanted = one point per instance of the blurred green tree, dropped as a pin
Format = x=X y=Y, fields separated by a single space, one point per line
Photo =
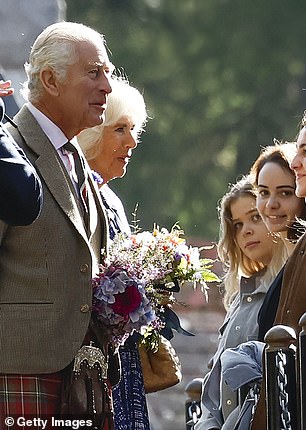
x=221 y=78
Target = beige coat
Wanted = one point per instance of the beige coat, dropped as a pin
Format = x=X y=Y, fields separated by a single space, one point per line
x=46 y=268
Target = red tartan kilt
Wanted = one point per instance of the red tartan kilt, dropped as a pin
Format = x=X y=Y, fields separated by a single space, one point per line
x=29 y=396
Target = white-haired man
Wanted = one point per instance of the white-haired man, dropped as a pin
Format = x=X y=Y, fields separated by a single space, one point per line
x=46 y=268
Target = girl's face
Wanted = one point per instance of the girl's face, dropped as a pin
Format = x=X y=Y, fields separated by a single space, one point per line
x=251 y=234
x=276 y=202
x=298 y=164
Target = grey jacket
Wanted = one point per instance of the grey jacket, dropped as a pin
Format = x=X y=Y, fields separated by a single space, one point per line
x=46 y=268
x=240 y=325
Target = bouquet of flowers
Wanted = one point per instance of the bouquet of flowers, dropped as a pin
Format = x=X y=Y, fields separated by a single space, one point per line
x=136 y=283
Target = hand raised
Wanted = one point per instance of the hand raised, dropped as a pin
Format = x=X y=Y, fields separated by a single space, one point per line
x=5 y=88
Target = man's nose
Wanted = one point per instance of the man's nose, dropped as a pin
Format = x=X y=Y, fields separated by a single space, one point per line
x=105 y=83
x=295 y=162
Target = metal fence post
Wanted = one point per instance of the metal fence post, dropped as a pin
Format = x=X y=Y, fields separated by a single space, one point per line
x=192 y=405
x=280 y=378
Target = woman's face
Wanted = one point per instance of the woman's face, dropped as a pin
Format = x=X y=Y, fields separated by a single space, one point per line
x=298 y=164
x=276 y=202
x=251 y=234
x=115 y=149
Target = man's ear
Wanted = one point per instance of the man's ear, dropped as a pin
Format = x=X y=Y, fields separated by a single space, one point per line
x=49 y=81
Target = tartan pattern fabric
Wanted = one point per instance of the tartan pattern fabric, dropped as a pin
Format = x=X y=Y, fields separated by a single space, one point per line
x=30 y=396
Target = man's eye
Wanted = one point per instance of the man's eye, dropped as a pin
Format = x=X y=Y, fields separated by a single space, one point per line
x=94 y=72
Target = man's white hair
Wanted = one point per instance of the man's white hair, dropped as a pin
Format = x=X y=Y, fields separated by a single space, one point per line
x=55 y=48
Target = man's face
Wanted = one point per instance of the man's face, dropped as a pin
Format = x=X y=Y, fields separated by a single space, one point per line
x=298 y=164
x=82 y=98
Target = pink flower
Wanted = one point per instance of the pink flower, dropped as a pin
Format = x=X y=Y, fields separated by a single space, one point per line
x=127 y=302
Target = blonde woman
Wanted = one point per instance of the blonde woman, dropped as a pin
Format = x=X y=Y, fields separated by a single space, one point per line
x=252 y=260
x=108 y=149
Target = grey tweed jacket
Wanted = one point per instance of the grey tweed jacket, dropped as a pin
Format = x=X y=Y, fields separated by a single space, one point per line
x=46 y=268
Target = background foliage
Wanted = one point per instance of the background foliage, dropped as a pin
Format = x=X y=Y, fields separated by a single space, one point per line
x=221 y=78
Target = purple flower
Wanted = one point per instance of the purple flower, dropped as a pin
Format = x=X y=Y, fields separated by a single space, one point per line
x=119 y=298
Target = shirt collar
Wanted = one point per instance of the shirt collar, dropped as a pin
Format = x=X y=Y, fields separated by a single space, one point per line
x=53 y=132
x=253 y=284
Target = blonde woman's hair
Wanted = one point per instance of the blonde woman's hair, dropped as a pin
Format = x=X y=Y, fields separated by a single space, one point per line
x=124 y=100
x=235 y=262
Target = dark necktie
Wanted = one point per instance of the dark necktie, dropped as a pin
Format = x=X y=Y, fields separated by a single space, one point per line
x=81 y=175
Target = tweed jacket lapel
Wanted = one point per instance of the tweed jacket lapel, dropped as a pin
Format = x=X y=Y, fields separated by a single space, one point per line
x=95 y=202
x=50 y=167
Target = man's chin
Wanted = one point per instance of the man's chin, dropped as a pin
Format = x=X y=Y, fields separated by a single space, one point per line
x=96 y=120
